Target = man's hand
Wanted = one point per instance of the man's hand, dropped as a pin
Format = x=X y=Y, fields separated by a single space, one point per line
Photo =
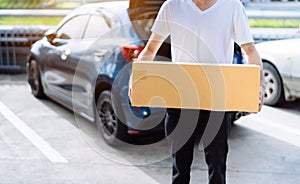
x=261 y=96
x=130 y=88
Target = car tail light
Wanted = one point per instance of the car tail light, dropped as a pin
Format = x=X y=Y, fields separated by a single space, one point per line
x=131 y=51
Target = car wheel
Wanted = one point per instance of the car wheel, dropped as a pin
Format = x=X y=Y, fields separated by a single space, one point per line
x=34 y=79
x=111 y=128
x=274 y=90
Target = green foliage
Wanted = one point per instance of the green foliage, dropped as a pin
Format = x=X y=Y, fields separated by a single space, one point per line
x=30 y=20
x=274 y=23
x=39 y=4
x=23 y=4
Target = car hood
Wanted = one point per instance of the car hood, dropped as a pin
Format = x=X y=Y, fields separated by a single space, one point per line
x=279 y=44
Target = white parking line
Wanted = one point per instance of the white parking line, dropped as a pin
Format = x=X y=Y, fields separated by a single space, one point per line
x=34 y=138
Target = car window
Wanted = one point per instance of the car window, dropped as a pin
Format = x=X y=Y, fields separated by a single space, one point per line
x=73 y=28
x=97 y=26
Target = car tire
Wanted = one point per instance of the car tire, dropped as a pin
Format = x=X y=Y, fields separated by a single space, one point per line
x=111 y=128
x=34 y=79
x=274 y=89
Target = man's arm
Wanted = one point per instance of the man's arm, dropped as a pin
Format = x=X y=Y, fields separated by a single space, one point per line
x=254 y=58
x=151 y=48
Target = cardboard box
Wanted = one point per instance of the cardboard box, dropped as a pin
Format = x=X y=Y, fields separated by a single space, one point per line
x=196 y=86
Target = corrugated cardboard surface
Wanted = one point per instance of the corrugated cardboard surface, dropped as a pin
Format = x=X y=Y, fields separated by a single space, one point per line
x=196 y=86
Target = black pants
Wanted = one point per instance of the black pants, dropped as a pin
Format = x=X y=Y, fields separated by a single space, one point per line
x=183 y=127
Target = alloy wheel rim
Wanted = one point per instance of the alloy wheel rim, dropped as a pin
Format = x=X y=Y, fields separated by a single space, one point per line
x=34 y=78
x=271 y=85
x=108 y=119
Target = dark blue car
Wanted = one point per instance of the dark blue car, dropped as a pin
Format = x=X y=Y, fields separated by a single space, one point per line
x=85 y=63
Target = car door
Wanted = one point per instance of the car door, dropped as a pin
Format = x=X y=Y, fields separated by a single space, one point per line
x=87 y=69
x=63 y=58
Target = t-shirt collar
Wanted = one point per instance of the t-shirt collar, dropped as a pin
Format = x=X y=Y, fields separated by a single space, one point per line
x=196 y=8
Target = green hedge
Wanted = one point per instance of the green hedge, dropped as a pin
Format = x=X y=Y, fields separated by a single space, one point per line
x=24 y=4
x=30 y=20
x=274 y=23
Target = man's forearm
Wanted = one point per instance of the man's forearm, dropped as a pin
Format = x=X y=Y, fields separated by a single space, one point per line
x=147 y=54
x=151 y=48
x=254 y=58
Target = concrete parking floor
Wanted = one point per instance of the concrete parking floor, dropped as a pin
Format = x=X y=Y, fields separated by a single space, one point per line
x=264 y=148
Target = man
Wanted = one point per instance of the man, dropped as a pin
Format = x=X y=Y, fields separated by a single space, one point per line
x=201 y=31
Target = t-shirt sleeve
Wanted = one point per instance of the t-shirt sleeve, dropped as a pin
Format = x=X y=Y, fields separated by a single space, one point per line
x=242 y=32
x=161 y=25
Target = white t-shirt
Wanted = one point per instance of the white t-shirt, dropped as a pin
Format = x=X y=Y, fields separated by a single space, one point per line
x=203 y=36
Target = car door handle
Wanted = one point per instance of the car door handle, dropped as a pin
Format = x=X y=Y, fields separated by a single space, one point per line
x=65 y=53
x=99 y=55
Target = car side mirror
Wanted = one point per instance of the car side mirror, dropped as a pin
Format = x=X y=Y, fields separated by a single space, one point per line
x=50 y=35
